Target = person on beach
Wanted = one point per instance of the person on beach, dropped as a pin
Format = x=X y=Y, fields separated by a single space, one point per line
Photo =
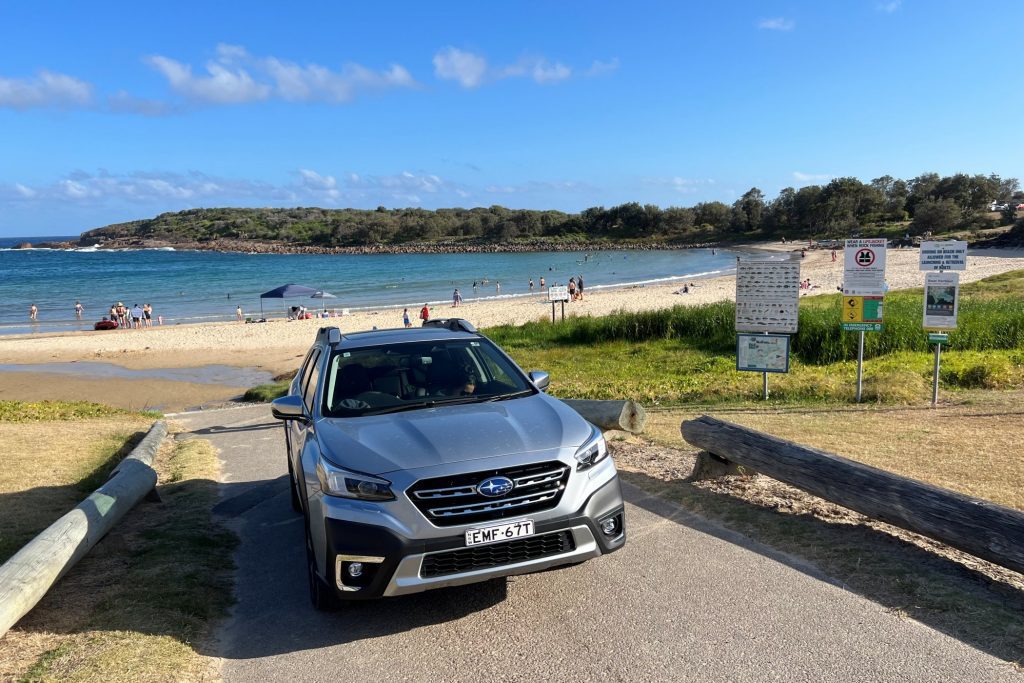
x=833 y=256
x=579 y=287
x=497 y=286
x=79 y=310
x=531 y=284
x=122 y=315
x=572 y=289
x=113 y=314
x=542 y=283
x=33 y=313
x=147 y=315
x=238 y=313
x=405 y=318
x=137 y=317
x=425 y=314
x=456 y=298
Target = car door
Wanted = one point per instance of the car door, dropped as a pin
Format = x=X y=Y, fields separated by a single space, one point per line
x=296 y=430
x=305 y=452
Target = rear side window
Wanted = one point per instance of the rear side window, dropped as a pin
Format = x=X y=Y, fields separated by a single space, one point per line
x=310 y=381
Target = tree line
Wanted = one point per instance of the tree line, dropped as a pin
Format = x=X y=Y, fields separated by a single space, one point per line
x=838 y=209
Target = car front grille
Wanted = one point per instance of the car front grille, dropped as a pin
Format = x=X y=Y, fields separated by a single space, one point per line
x=448 y=501
x=497 y=554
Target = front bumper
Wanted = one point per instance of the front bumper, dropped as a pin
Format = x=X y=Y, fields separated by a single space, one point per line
x=392 y=564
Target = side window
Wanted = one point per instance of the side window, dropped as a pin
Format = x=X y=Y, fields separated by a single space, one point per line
x=309 y=383
x=497 y=372
x=307 y=367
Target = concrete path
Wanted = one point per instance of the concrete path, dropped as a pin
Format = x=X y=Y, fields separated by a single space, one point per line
x=685 y=600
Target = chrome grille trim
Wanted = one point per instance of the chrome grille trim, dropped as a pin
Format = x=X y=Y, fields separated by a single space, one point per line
x=503 y=504
x=451 y=492
x=541 y=477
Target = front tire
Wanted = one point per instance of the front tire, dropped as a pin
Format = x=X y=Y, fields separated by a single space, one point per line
x=320 y=594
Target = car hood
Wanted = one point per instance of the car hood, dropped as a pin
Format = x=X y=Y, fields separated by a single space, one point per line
x=378 y=444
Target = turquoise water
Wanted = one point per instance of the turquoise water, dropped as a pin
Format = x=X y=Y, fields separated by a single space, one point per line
x=191 y=286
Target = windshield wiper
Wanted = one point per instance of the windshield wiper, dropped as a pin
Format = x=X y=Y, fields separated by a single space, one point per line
x=433 y=403
x=514 y=394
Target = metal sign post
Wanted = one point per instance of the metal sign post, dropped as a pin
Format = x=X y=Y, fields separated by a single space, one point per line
x=765 y=382
x=935 y=375
x=860 y=365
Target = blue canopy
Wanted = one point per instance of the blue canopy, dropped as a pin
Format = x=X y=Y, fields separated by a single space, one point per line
x=289 y=291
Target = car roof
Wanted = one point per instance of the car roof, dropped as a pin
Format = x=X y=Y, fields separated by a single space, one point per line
x=398 y=335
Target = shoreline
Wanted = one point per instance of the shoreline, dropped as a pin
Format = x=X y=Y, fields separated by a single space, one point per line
x=278 y=346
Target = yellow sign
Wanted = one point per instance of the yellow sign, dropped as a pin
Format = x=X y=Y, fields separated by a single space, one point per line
x=853 y=309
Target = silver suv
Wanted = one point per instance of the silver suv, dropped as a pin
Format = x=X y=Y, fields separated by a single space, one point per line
x=426 y=457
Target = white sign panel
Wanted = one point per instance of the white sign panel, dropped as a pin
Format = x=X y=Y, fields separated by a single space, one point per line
x=951 y=255
x=864 y=272
x=941 y=300
x=558 y=293
x=767 y=296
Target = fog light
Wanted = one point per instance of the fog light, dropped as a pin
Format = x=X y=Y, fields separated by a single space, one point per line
x=610 y=526
x=355 y=569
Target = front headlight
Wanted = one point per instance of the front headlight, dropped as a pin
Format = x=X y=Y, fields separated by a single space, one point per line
x=336 y=481
x=592 y=452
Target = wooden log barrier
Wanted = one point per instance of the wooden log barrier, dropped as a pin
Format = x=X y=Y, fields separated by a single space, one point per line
x=983 y=529
x=26 y=577
x=627 y=416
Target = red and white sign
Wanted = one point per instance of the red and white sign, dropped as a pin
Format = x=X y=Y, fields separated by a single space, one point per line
x=864 y=267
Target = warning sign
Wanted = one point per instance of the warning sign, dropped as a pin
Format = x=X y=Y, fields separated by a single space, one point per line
x=862 y=314
x=864 y=267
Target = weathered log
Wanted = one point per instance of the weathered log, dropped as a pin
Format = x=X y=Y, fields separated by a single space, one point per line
x=978 y=527
x=26 y=577
x=627 y=416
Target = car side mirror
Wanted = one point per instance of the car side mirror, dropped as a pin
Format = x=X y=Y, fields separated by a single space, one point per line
x=288 y=407
x=540 y=379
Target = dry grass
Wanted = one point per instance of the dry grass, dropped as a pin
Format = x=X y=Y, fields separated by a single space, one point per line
x=970 y=448
x=140 y=605
x=49 y=467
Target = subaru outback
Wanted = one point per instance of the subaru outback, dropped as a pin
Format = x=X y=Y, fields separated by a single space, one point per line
x=422 y=458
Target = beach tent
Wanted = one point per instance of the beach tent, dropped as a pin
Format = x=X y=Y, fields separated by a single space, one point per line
x=289 y=291
x=321 y=294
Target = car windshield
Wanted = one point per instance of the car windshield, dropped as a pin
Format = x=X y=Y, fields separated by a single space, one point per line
x=385 y=379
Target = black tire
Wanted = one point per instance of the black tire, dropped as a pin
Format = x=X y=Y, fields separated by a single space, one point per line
x=293 y=486
x=320 y=594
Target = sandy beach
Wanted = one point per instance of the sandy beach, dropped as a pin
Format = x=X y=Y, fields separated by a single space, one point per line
x=279 y=345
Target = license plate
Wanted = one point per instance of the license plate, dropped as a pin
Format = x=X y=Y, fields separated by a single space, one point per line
x=499 y=532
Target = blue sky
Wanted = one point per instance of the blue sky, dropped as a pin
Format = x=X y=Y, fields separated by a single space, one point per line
x=116 y=111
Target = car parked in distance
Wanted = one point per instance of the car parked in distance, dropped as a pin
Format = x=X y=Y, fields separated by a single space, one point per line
x=425 y=457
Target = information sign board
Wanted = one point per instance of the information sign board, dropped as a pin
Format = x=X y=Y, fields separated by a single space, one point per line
x=864 y=267
x=558 y=293
x=767 y=296
x=862 y=314
x=941 y=300
x=949 y=255
x=762 y=352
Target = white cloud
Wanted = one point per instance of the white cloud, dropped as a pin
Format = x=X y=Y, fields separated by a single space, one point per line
x=236 y=76
x=453 y=64
x=680 y=184
x=776 y=24
x=811 y=177
x=224 y=84
x=471 y=70
x=23 y=191
x=889 y=6
x=599 y=68
x=47 y=89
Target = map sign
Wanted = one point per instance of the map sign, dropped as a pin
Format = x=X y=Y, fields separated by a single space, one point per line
x=941 y=300
x=949 y=255
x=762 y=352
x=767 y=296
x=864 y=267
x=862 y=314
x=558 y=293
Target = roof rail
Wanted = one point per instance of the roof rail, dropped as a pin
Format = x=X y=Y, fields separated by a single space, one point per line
x=453 y=324
x=333 y=335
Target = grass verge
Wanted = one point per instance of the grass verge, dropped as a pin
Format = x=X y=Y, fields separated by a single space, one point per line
x=141 y=603
x=56 y=454
x=968 y=448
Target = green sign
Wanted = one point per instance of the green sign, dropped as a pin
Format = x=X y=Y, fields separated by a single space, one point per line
x=862 y=327
x=937 y=338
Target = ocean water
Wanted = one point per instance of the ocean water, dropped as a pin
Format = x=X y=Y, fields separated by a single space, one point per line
x=198 y=286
